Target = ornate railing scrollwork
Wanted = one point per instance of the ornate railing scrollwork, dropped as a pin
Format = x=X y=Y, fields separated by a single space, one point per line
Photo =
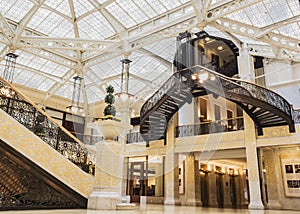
x=296 y=115
x=34 y=119
x=267 y=96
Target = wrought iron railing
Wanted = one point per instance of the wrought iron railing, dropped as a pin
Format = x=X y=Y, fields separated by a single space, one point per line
x=134 y=137
x=36 y=120
x=210 y=127
x=250 y=89
x=88 y=139
x=296 y=115
x=166 y=89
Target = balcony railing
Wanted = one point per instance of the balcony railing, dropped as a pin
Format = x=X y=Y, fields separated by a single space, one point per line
x=210 y=127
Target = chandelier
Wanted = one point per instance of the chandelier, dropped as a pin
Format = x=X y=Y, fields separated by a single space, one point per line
x=75 y=107
x=8 y=74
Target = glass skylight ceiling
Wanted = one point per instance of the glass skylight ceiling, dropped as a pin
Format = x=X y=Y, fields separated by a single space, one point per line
x=41 y=68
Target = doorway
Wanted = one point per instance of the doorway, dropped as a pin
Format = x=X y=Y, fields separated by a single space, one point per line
x=137 y=181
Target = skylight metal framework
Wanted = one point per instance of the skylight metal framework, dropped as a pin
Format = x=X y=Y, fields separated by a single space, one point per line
x=88 y=36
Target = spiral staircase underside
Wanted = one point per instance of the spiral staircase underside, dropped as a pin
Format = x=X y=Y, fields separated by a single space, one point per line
x=265 y=107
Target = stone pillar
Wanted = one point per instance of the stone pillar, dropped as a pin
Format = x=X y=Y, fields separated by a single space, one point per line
x=171 y=166
x=272 y=164
x=108 y=176
x=246 y=64
x=109 y=170
x=190 y=182
x=158 y=180
x=252 y=164
x=187 y=114
x=246 y=72
x=212 y=183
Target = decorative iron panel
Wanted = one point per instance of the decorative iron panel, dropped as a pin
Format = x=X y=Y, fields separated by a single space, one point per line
x=38 y=123
x=21 y=189
x=296 y=116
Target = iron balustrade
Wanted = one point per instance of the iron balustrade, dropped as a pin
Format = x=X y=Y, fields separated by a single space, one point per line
x=210 y=127
x=296 y=115
x=37 y=121
x=134 y=137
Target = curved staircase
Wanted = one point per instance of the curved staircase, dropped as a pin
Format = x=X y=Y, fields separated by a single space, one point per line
x=264 y=106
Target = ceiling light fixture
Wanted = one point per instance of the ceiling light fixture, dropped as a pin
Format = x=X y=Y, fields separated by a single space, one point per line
x=75 y=107
x=8 y=74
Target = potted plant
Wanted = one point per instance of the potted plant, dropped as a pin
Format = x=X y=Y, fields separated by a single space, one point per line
x=110 y=126
x=110 y=110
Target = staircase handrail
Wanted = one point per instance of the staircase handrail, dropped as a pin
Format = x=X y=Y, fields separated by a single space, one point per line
x=286 y=107
x=164 y=89
x=40 y=111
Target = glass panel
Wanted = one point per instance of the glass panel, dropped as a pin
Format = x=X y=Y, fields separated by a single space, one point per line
x=157 y=6
x=61 y=6
x=15 y=10
x=95 y=26
x=147 y=9
x=82 y=6
x=170 y=4
x=120 y=14
x=131 y=8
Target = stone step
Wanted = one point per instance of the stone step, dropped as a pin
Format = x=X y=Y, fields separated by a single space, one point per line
x=125 y=206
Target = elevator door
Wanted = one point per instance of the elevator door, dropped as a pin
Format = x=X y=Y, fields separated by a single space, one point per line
x=233 y=190
x=137 y=181
x=204 y=189
x=220 y=190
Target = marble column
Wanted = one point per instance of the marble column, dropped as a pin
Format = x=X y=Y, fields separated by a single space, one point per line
x=108 y=176
x=252 y=164
x=272 y=178
x=190 y=181
x=171 y=166
x=187 y=114
x=246 y=72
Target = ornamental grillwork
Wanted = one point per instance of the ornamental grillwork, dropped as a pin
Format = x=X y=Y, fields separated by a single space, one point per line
x=296 y=116
x=21 y=189
x=42 y=126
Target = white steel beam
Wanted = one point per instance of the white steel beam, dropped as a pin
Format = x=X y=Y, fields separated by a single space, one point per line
x=5 y=28
x=51 y=57
x=277 y=25
x=250 y=31
x=269 y=52
x=65 y=43
x=223 y=8
x=65 y=78
x=158 y=58
x=26 y=19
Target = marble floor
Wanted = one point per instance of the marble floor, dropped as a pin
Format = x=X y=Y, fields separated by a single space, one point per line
x=156 y=209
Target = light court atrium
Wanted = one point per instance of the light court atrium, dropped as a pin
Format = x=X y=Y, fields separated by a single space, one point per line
x=157 y=106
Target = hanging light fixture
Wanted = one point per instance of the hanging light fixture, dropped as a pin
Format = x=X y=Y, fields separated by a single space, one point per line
x=124 y=95
x=75 y=107
x=123 y=99
x=8 y=74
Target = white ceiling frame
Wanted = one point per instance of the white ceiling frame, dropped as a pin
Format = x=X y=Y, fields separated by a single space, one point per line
x=221 y=9
x=50 y=57
x=4 y=52
x=268 y=52
x=65 y=43
x=154 y=56
x=115 y=23
x=26 y=19
x=39 y=72
x=97 y=6
x=145 y=37
x=277 y=25
x=250 y=31
x=5 y=28
x=64 y=79
x=57 y=12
